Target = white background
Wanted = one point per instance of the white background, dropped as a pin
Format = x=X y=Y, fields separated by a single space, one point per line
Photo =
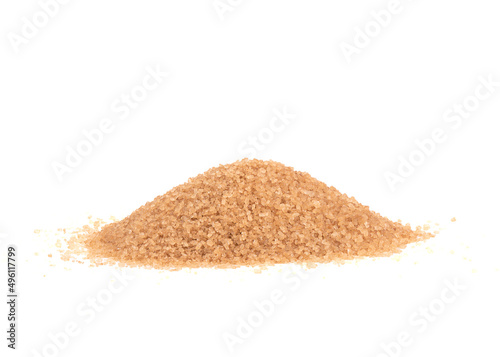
x=227 y=75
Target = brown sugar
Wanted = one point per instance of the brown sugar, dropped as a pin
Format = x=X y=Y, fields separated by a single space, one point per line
x=248 y=213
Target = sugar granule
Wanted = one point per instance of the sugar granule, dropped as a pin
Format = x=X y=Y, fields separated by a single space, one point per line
x=248 y=213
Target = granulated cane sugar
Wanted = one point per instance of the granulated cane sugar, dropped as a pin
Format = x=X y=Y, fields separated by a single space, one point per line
x=247 y=213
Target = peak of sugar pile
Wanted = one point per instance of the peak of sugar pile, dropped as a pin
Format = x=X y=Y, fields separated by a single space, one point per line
x=247 y=213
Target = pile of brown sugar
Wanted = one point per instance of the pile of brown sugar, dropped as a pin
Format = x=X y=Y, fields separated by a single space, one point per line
x=247 y=213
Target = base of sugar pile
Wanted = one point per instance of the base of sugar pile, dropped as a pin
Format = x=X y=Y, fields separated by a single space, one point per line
x=250 y=213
